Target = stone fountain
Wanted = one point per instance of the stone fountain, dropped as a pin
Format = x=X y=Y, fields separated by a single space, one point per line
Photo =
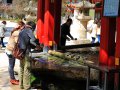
x=80 y=19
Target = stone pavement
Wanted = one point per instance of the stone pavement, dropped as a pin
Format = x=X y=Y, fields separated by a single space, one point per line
x=4 y=75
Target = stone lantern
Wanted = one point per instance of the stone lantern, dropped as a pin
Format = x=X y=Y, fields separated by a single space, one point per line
x=80 y=19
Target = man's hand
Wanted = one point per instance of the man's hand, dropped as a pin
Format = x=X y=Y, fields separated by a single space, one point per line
x=68 y=39
x=38 y=47
x=73 y=38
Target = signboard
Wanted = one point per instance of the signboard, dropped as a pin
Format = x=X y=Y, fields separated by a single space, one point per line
x=111 y=8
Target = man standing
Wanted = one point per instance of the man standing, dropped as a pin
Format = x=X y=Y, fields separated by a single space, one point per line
x=65 y=32
x=2 y=32
x=26 y=38
x=94 y=31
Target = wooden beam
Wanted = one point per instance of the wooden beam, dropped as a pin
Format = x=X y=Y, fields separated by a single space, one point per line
x=79 y=46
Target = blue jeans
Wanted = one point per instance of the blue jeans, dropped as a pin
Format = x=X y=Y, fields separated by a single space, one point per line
x=11 y=66
x=98 y=36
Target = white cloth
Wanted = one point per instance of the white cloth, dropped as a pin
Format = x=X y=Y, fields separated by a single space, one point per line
x=2 y=30
x=89 y=25
x=94 y=30
x=98 y=31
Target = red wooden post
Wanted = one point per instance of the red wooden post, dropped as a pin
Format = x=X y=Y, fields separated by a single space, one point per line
x=48 y=22
x=107 y=44
x=40 y=20
x=117 y=54
x=57 y=21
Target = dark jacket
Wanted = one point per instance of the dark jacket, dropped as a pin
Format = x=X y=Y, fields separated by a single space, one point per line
x=26 y=38
x=65 y=32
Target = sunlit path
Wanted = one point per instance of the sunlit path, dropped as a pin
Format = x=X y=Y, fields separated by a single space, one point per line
x=4 y=75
